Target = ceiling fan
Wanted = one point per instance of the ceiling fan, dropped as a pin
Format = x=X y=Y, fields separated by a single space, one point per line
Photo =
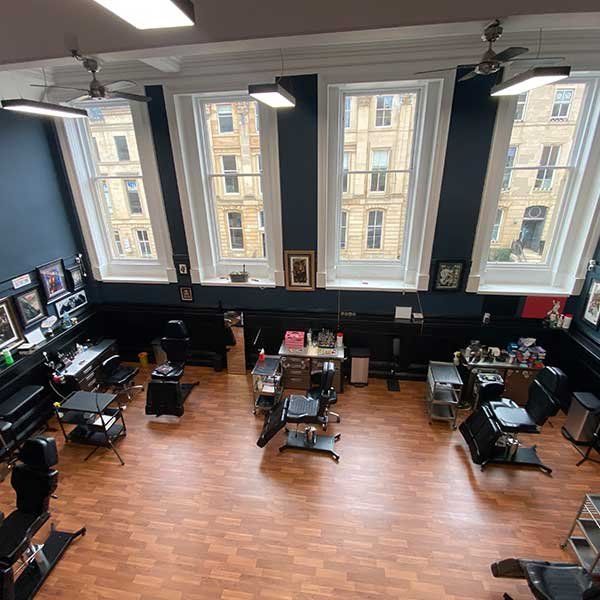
x=492 y=62
x=98 y=90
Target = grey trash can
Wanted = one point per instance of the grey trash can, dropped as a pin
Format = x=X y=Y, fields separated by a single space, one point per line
x=359 y=368
x=583 y=418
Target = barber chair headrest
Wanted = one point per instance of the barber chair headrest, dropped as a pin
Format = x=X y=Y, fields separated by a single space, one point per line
x=176 y=329
x=555 y=382
x=39 y=452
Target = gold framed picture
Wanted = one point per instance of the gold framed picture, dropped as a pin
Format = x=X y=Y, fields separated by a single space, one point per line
x=299 y=270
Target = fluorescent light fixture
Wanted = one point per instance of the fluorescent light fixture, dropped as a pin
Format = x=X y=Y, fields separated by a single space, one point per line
x=152 y=14
x=43 y=109
x=528 y=80
x=272 y=94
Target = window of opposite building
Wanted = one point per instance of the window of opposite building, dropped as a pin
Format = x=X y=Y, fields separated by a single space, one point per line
x=544 y=194
x=383 y=176
x=231 y=185
x=116 y=187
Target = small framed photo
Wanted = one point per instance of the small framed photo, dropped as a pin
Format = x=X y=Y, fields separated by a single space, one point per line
x=52 y=278
x=591 y=313
x=10 y=334
x=74 y=302
x=30 y=306
x=75 y=277
x=449 y=275
x=299 y=270
x=186 y=294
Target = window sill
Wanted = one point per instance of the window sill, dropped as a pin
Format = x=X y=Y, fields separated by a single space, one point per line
x=521 y=290
x=252 y=283
x=382 y=285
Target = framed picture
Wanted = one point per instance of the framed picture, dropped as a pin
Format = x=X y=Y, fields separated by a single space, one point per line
x=591 y=313
x=10 y=334
x=186 y=294
x=449 y=275
x=75 y=278
x=30 y=306
x=52 y=278
x=299 y=270
x=74 y=302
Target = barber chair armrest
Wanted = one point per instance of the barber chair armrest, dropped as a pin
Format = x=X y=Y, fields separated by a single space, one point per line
x=7 y=434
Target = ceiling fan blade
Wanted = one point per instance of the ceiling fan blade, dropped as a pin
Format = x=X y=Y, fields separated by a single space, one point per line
x=468 y=76
x=57 y=87
x=121 y=84
x=79 y=98
x=434 y=71
x=134 y=97
x=510 y=53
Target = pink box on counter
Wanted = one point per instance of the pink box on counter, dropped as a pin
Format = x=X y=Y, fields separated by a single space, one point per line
x=294 y=339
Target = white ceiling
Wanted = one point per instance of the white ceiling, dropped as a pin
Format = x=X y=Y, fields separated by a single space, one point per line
x=35 y=30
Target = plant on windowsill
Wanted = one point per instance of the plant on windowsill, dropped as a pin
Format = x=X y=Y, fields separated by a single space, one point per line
x=239 y=276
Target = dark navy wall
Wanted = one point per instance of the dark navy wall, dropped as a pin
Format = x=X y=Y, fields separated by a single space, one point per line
x=35 y=224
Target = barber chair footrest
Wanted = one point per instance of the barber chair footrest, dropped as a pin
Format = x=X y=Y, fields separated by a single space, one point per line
x=527 y=457
x=32 y=578
x=296 y=440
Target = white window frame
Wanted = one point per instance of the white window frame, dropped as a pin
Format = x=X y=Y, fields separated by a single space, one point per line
x=79 y=159
x=562 y=103
x=563 y=271
x=508 y=167
x=430 y=141
x=498 y=221
x=376 y=226
x=525 y=104
x=230 y=228
x=229 y=173
x=384 y=111
x=344 y=229
x=206 y=266
x=143 y=243
x=221 y=132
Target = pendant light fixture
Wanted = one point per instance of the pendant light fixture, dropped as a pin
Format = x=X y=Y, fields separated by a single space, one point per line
x=529 y=80
x=152 y=14
x=273 y=94
x=43 y=109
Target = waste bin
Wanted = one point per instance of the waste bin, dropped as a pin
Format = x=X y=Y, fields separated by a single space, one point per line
x=583 y=418
x=359 y=369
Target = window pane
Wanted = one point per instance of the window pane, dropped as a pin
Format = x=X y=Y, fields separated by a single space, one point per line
x=376 y=170
x=540 y=175
x=343 y=229
x=235 y=173
x=119 y=179
x=520 y=109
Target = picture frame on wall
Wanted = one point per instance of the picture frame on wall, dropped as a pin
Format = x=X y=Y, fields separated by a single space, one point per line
x=10 y=333
x=53 y=280
x=186 y=293
x=75 y=277
x=591 y=312
x=30 y=307
x=449 y=275
x=299 y=270
x=66 y=306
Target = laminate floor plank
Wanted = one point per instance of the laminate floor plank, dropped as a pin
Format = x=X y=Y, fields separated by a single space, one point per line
x=200 y=512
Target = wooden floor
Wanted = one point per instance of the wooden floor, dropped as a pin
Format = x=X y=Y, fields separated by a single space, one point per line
x=199 y=511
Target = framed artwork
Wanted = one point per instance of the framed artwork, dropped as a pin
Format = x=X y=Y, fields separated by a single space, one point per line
x=30 y=306
x=10 y=334
x=52 y=278
x=186 y=294
x=591 y=313
x=75 y=278
x=449 y=275
x=299 y=270
x=74 y=302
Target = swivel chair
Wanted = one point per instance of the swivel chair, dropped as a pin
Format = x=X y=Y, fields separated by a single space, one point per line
x=34 y=480
x=118 y=378
x=324 y=392
x=298 y=409
x=547 y=580
x=166 y=394
x=492 y=430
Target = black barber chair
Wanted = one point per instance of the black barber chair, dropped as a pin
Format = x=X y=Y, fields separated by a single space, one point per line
x=24 y=565
x=166 y=394
x=119 y=378
x=324 y=392
x=492 y=430
x=549 y=581
x=298 y=409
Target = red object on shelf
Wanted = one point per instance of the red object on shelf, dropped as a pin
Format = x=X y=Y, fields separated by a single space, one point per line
x=537 y=307
x=294 y=340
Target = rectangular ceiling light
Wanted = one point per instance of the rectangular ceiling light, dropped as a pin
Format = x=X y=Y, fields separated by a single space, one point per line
x=152 y=14
x=533 y=78
x=43 y=109
x=272 y=94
